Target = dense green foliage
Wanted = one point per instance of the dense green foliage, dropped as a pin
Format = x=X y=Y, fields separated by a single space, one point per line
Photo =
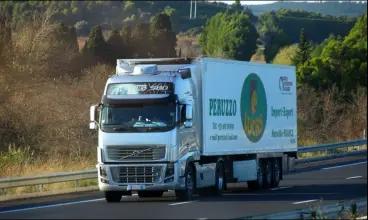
x=272 y=36
x=333 y=8
x=304 y=50
x=285 y=55
x=154 y=39
x=341 y=61
x=278 y=29
x=96 y=46
x=113 y=14
x=229 y=35
x=163 y=38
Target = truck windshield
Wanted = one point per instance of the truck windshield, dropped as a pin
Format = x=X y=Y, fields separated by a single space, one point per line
x=138 y=118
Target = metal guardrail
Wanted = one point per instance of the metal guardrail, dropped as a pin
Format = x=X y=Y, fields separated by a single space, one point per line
x=323 y=147
x=327 y=148
x=91 y=174
x=340 y=210
x=47 y=179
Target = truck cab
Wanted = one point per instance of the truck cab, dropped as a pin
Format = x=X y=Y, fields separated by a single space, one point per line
x=146 y=112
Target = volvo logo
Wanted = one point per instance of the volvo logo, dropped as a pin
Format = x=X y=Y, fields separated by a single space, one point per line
x=135 y=153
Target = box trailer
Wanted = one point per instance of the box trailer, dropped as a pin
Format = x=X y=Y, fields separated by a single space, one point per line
x=188 y=124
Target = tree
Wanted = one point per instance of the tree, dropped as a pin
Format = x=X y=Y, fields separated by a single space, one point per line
x=163 y=38
x=272 y=36
x=304 y=49
x=229 y=35
x=126 y=34
x=237 y=6
x=95 y=47
x=141 y=41
x=342 y=62
x=116 y=46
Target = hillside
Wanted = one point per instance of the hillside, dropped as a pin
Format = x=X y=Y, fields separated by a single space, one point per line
x=332 y=8
x=83 y=15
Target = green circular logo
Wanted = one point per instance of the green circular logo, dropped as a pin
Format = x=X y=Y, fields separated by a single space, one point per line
x=253 y=107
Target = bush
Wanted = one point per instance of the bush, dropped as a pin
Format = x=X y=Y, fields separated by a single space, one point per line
x=326 y=116
x=285 y=55
x=46 y=49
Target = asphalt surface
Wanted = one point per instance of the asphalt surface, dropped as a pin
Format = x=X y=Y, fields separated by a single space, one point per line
x=323 y=184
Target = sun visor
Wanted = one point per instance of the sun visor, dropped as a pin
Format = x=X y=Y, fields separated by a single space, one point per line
x=143 y=99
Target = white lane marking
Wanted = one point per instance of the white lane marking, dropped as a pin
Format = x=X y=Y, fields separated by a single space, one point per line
x=181 y=203
x=353 y=177
x=363 y=217
x=279 y=188
x=135 y=194
x=202 y=218
x=306 y=201
x=346 y=165
x=51 y=206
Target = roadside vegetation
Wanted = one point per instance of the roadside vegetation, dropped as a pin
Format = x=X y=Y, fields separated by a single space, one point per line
x=52 y=70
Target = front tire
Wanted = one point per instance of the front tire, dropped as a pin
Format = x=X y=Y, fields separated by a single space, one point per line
x=113 y=196
x=187 y=193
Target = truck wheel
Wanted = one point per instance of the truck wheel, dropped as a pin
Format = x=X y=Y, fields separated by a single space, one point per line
x=267 y=179
x=220 y=179
x=144 y=194
x=257 y=184
x=187 y=193
x=113 y=196
x=276 y=172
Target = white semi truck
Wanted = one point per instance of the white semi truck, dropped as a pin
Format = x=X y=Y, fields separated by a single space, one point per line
x=187 y=124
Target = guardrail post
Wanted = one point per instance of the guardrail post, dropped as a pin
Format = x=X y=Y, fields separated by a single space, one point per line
x=76 y=184
x=40 y=187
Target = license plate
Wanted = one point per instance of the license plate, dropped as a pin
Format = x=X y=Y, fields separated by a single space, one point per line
x=136 y=187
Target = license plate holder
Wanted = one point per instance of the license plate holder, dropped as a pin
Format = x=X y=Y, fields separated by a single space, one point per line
x=136 y=187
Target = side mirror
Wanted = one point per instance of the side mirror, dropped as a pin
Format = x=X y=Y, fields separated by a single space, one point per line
x=189 y=112
x=188 y=123
x=92 y=117
x=185 y=73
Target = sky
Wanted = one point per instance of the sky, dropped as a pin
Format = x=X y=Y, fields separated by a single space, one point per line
x=249 y=2
x=252 y=2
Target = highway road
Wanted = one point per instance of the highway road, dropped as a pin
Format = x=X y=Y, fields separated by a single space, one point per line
x=324 y=184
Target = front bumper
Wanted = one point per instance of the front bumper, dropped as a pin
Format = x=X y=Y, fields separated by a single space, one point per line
x=138 y=177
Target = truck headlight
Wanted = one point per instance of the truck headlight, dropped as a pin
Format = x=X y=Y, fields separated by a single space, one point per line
x=169 y=169
x=103 y=172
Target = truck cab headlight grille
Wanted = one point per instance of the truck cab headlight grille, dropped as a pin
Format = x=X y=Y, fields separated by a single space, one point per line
x=169 y=169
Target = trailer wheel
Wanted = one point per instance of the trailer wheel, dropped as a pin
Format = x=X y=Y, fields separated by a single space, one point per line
x=276 y=172
x=259 y=183
x=144 y=194
x=113 y=196
x=187 y=193
x=220 y=178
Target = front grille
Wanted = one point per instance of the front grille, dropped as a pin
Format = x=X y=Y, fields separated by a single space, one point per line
x=136 y=174
x=129 y=153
